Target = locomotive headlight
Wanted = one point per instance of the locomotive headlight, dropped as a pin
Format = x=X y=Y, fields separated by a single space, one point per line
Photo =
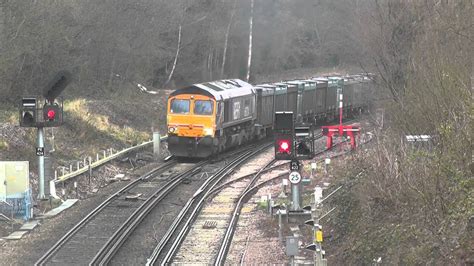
x=208 y=131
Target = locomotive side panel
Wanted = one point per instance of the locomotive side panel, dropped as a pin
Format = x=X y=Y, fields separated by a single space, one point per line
x=239 y=109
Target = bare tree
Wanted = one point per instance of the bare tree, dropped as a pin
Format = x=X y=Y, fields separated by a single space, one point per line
x=249 y=62
x=224 y=53
x=175 y=58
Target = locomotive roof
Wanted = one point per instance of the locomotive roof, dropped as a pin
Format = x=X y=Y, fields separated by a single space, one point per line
x=219 y=89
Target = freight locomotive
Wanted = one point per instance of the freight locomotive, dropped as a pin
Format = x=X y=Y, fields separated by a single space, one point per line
x=207 y=118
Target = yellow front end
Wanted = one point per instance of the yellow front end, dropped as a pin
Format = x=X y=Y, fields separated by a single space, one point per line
x=191 y=122
x=192 y=116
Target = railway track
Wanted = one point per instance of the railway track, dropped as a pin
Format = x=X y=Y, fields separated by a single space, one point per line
x=252 y=184
x=81 y=243
x=107 y=252
x=100 y=235
x=169 y=244
x=227 y=239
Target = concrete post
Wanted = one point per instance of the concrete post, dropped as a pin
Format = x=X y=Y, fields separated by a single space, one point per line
x=40 y=142
x=156 y=144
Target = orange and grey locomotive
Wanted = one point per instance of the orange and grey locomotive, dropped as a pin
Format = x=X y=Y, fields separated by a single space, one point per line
x=207 y=118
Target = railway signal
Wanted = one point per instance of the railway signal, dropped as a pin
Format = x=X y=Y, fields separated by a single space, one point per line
x=52 y=114
x=28 y=112
x=304 y=139
x=283 y=147
x=284 y=136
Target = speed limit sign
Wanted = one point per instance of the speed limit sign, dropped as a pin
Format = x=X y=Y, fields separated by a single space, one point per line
x=295 y=177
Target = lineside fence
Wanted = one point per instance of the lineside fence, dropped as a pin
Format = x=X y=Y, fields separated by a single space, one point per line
x=89 y=164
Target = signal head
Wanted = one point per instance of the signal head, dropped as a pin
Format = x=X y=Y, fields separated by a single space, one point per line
x=284 y=146
x=52 y=115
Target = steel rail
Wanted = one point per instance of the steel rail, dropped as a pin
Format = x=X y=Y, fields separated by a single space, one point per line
x=220 y=187
x=182 y=215
x=114 y=243
x=198 y=200
x=57 y=246
x=220 y=260
x=227 y=240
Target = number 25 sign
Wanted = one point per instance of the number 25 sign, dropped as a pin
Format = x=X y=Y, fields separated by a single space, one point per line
x=295 y=177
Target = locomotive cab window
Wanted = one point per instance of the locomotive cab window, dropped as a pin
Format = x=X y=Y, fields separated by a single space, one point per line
x=203 y=107
x=179 y=106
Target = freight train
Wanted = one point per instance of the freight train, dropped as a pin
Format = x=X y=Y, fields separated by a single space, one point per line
x=207 y=118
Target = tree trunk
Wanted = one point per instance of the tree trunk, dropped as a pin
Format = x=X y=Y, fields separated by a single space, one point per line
x=175 y=58
x=209 y=63
x=227 y=38
x=249 y=63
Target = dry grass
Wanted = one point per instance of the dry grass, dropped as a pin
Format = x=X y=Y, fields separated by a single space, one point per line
x=79 y=110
